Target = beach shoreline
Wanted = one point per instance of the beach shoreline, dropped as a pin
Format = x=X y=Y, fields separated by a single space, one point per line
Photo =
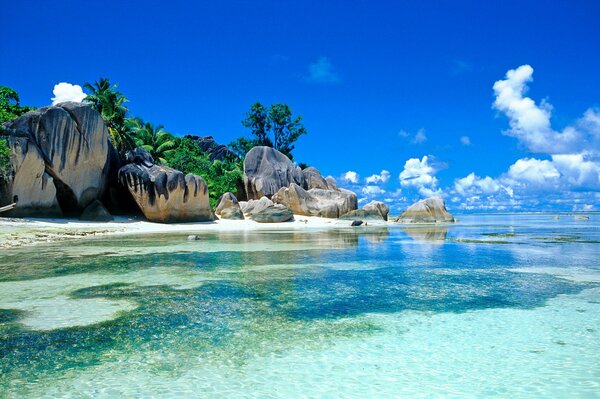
x=26 y=232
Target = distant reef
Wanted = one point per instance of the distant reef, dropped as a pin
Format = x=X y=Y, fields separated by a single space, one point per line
x=63 y=164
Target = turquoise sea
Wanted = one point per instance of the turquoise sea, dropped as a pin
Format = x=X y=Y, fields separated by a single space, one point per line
x=504 y=306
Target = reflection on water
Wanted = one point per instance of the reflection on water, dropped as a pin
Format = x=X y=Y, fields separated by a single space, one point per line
x=436 y=234
x=162 y=316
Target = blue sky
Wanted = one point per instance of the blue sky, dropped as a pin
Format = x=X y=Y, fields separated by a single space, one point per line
x=402 y=87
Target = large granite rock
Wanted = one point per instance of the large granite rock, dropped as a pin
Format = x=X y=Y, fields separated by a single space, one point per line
x=316 y=202
x=60 y=160
x=430 y=210
x=276 y=213
x=163 y=194
x=363 y=214
x=228 y=207
x=378 y=207
x=267 y=170
x=214 y=150
x=254 y=206
x=313 y=179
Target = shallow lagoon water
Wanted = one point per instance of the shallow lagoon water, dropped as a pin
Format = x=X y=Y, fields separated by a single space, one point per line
x=494 y=306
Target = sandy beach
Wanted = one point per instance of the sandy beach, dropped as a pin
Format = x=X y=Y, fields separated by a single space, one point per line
x=17 y=232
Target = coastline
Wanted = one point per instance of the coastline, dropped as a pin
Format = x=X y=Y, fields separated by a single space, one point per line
x=26 y=232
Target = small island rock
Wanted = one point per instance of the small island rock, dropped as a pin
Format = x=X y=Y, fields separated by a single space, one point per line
x=430 y=210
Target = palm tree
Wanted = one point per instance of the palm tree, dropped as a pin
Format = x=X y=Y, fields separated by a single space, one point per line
x=154 y=139
x=108 y=101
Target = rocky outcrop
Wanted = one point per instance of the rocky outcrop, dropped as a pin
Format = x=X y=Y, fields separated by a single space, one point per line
x=228 y=207
x=251 y=207
x=362 y=214
x=276 y=213
x=316 y=202
x=430 y=210
x=267 y=170
x=163 y=194
x=378 y=207
x=214 y=150
x=313 y=179
x=60 y=160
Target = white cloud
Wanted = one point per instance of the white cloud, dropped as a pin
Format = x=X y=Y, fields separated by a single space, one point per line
x=465 y=140
x=383 y=177
x=578 y=170
x=533 y=171
x=530 y=123
x=420 y=174
x=473 y=183
x=64 y=92
x=350 y=177
x=372 y=190
x=322 y=71
x=419 y=137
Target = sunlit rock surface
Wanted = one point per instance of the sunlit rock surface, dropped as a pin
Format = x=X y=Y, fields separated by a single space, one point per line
x=430 y=210
x=165 y=195
x=60 y=160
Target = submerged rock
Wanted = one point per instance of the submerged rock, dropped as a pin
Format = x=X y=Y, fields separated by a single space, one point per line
x=165 y=195
x=267 y=170
x=356 y=223
x=430 y=210
x=60 y=160
x=273 y=214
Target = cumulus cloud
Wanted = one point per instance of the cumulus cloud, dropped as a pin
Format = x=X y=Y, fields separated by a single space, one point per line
x=473 y=183
x=420 y=174
x=372 y=190
x=322 y=71
x=465 y=140
x=64 y=92
x=382 y=177
x=530 y=122
x=350 y=177
x=533 y=171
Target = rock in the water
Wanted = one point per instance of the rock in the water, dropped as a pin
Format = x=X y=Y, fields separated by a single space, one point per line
x=430 y=210
x=313 y=179
x=214 y=150
x=163 y=194
x=267 y=170
x=228 y=207
x=581 y=217
x=356 y=223
x=316 y=202
x=273 y=214
x=193 y=237
x=96 y=212
x=60 y=162
x=254 y=206
x=378 y=206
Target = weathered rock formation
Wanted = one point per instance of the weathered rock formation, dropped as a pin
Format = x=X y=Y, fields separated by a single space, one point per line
x=276 y=213
x=163 y=194
x=313 y=179
x=267 y=170
x=430 y=210
x=316 y=202
x=254 y=206
x=228 y=207
x=60 y=160
x=214 y=150
x=378 y=207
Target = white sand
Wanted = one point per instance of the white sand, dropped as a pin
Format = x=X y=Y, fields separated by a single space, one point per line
x=16 y=232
